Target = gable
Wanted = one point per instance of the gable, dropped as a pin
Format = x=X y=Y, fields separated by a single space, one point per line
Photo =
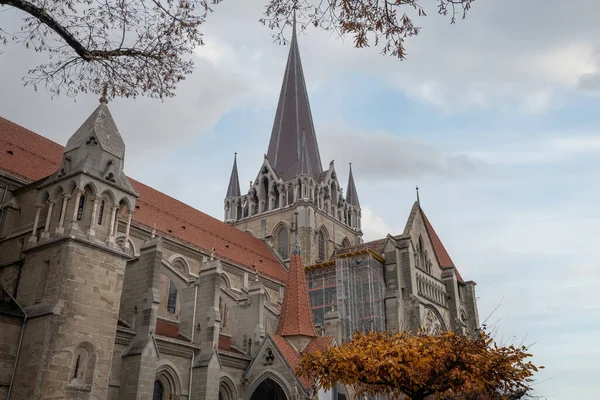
x=418 y=225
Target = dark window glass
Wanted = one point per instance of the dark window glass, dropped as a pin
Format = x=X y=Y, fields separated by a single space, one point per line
x=101 y=214
x=172 y=299
x=80 y=209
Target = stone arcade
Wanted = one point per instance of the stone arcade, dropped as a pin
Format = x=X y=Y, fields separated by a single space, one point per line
x=113 y=290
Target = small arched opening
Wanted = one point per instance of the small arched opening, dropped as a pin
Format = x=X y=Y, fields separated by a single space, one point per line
x=167 y=384
x=265 y=193
x=227 y=390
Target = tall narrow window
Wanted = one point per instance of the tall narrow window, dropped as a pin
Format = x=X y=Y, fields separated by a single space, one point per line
x=321 y=240
x=80 y=209
x=283 y=243
x=101 y=214
x=76 y=367
x=172 y=299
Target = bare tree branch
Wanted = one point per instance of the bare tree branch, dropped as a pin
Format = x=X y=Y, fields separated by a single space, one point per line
x=144 y=47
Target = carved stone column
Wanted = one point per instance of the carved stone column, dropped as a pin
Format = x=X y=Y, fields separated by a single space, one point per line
x=127 y=228
x=46 y=233
x=61 y=222
x=33 y=237
x=91 y=231
x=112 y=227
x=74 y=224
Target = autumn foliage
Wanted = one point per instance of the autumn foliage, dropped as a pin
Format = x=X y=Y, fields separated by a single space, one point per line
x=445 y=366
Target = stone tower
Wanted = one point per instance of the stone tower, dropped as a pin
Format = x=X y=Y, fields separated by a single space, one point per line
x=291 y=179
x=72 y=275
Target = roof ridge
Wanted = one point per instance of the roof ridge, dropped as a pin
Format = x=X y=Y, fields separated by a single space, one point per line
x=205 y=230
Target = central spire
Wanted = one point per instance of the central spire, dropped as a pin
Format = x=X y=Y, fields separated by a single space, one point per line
x=293 y=120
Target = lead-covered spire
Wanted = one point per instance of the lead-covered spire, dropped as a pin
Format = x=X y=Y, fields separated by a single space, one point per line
x=233 y=190
x=351 y=194
x=292 y=118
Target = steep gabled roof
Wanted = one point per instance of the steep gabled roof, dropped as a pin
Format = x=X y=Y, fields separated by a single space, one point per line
x=441 y=254
x=296 y=316
x=292 y=357
x=31 y=157
x=292 y=118
x=233 y=190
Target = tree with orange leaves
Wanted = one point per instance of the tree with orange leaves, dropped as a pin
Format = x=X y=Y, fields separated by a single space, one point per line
x=445 y=366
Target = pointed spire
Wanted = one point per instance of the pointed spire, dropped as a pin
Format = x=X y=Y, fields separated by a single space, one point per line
x=233 y=190
x=293 y=116
x=351 y=194
x=296 y=316
x=100 y=128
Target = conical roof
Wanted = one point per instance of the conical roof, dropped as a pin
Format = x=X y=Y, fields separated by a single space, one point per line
x=296 y=316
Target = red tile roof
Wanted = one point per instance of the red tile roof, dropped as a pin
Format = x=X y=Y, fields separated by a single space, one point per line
x=296 y=316
x=168 y=329
x=441 y=254
x=375 y=245
x=292 y=357
x=30 y=156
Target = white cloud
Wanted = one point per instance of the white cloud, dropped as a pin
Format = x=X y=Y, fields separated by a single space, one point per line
x=381 y=156
x=543 y=150
x=373 y=226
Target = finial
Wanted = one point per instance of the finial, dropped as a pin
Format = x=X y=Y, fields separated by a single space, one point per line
x=153 y=230
x=418 y=200
x=212 y=254
x=294 y=20
x=103 y=99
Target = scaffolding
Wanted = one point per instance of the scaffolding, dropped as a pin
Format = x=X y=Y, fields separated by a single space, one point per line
x=355 y=287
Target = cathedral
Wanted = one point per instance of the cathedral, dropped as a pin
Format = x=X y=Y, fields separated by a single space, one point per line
x=111 y=289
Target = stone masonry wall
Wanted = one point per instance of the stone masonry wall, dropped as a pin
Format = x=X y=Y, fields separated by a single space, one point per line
x=10 y=331
x=78 y=315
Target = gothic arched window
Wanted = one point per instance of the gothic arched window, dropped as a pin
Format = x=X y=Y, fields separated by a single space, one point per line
x=283 y=243
x=321 y=244
x=345 y=243
x=80 y=209
x=172 y=299
x=101 y=213
x=265 y=191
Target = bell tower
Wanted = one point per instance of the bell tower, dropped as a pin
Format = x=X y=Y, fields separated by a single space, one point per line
x=72 y=276
x=292 y=179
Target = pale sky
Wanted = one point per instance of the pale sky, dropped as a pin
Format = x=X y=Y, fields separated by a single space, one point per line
x=495 y=118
